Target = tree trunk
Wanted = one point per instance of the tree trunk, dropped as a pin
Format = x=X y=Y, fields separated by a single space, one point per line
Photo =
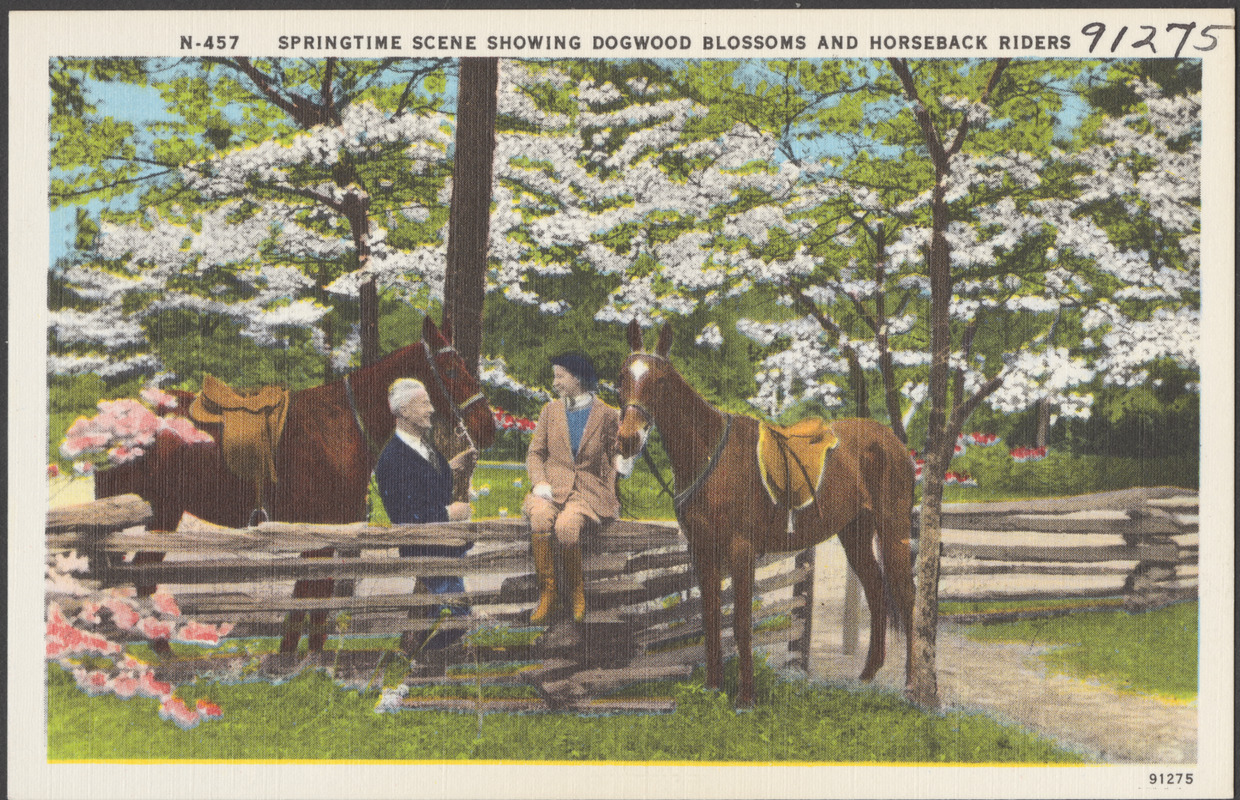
x=1044 y=423
x=470 y=216
x=369 y=308
x=922 y=688
x=856 y=376
x=923 y=685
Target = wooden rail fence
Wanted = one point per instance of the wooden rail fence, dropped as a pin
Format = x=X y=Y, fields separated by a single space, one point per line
x=643 y=621
x=1132 y=548
x=1135 y=548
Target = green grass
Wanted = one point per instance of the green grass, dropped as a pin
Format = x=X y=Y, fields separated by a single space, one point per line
x=1000 y=606
x=1153 y=652
x=310 y=717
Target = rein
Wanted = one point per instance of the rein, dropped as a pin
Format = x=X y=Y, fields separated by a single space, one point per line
x=357 y=416
x=679 y=500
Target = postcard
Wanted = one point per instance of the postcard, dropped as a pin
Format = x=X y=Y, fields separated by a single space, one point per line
x=746 y=403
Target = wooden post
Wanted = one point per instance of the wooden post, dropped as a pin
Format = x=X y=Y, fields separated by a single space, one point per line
x=806 y=589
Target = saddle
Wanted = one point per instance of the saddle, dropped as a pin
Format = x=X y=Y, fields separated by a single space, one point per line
x=251 y=423
x=792 y=461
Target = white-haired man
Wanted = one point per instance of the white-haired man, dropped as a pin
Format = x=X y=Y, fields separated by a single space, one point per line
x=415 y=484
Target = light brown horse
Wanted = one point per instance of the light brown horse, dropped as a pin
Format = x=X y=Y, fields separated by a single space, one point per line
x=865 y=498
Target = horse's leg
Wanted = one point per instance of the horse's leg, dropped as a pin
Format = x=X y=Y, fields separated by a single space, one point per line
x=857 y=539
x=708 y=581
x=742 y=558
x=316 y=634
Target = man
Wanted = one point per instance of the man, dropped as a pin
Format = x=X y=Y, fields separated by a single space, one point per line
x=415 y=484
x=572 y=462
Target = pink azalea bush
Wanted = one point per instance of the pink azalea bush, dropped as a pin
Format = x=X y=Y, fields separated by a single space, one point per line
x=507 y=421
x=125 y=428
x=79 y=642
x=1023 y=455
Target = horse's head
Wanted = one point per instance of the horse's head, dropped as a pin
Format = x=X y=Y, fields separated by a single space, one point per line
x=452 y=378
x=640 y=378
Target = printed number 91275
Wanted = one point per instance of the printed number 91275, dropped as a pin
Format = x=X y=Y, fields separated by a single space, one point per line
x=1170 y=778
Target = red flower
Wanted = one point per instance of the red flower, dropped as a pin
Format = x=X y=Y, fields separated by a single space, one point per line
x=208 y=710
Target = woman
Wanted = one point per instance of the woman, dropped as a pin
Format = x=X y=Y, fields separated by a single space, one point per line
x=572 y=462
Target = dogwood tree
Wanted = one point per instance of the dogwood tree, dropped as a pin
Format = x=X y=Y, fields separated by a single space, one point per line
x=1028 y=263
x=332 y=169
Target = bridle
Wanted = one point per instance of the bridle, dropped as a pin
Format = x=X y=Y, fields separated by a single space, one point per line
x=678 y=500
x=457 y=409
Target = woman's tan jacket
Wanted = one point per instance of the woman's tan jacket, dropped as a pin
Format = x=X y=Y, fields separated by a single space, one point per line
x=590 y=477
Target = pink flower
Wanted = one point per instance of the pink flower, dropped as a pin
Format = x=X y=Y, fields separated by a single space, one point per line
x=93 y=682
x=60 y=632
x=149 y=687
x=199 y=633
x=84 y=468
x=158 y=398
x=90 y=612
x=184 y=429
x=153 y=628
x=123 y=614
x=165 y=604
x=123 y=454
x=208 y=710
x=53 y=470
x=124 y=685
x=54 y=647
x=950 y=478
x=174 y=709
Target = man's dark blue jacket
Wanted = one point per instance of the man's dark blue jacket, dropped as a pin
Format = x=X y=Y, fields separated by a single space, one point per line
x=414 y=490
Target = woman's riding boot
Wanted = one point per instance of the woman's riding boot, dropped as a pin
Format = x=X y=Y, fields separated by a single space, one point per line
x=576 y=581
x=544 y=567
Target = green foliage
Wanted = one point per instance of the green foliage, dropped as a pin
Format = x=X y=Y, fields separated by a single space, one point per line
x=192 y=345
x=309 y=717
x=1154 y=651
x=1061 y=473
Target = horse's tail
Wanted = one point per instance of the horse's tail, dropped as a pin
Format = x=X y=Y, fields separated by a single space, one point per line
x=892 y=494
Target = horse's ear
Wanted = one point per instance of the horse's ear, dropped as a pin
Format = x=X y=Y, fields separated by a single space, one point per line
x=665 y=340
x=635 y=336
x=430 y=331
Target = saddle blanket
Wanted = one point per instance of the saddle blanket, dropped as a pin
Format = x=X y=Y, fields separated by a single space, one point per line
x=793 y=459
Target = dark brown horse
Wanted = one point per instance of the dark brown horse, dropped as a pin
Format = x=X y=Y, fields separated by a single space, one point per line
x=866 y=498
x=331 y=440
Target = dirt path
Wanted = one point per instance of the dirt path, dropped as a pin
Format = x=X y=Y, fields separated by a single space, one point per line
x=1010 y=682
